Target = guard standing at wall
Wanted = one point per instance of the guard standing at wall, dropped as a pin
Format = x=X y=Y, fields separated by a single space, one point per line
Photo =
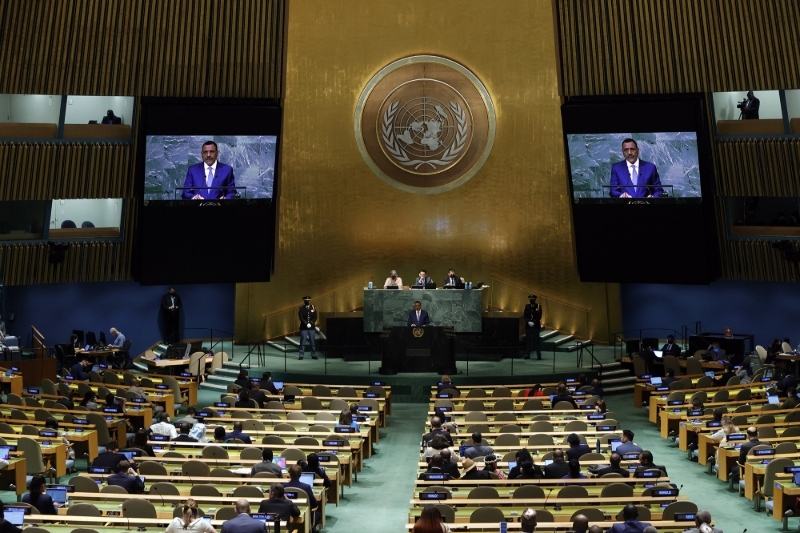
x=533 y=327
x=308 y=325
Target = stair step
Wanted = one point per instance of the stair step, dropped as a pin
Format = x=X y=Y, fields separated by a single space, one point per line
x=575 y=347
x=280 y=347
x=621 y=388
x=213 y=386
x=293 y=340
x=548 y=334
x=616 y=373
x=562 y=339
x=618 y=381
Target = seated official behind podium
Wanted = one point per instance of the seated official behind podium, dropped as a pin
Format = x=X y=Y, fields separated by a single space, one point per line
x=393 y=281
x=452 y=280
x=418 y=317
x=111 y=118
x=423 y=279
x=209 y=173
x=670 y=348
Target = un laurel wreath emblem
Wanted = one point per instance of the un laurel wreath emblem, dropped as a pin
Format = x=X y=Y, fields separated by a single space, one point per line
x=425 y=124
x=418 y=332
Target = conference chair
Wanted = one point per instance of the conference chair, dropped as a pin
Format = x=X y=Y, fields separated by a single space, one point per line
x=474 y=405
x=503 y=417
x=576 y=425
x=41 y=415
x=225 y=513
x=318 y=427
x=639 y=366
x=163 y=488
x=644 y=514
x=483 y=493
x=85 y=509
x=283 y=426
x=529 y=492
x=443 y=491
x=744 y=394
x=323 y=416
x=27 y=429
x=337 y=404
x=248 y=491
x=765 y=488
x=139 y=509
x=793 y=431
x=488 y=515
x=14 y=399
x=252 y=426
x=150 y=468
x=720 y=396
x=113 y=489
x=306 y=441
x=505 y=404
x=311 y=403
x=84 y=484
x=533 y=405
x=293 y=454
x=592 y=513
x=678 y=507
x=617 y=490
x=454 y=393
x=205 y=490
x=507 y=439
x=242 y=415
x=573 y=491
x=694 y=366
x=479 y=428
x=34 y=461
x=273 y=439
x=346 y=392
x=251 y=453
x=195 y=468
x=540 y=439
x=220 y=472
x=510 y=428
x=48 y=387
x=476 y=416
x=438 y=404
x=321 y=390
x=563 y=406
x=501 y=392
x=476 y=393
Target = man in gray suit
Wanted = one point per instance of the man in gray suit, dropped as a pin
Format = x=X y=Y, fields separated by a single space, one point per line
x=703 y=522
x=243 y=522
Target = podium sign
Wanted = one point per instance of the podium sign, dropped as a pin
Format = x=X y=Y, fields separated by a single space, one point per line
x=728 y=333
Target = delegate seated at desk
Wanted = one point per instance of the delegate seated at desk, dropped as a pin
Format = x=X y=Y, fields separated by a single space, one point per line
x=418 y=317
x=452 y=280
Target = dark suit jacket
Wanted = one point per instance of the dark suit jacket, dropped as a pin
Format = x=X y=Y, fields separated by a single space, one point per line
x=671 y=349
x=746 y=448
x=457 y=282
x=429 y=436
x=533 y=314
x=639 y=470
x=556 y=470
x=421 y=281
x=424 y=320
x=648 y=183
x=451 y=468
x=243 y=523
x=77 y=372
x=624 y=472
x=108 y=460
x=196 y=181
x=629 y=526
x=166 y=303
x=750 y=109
x=474 y=474
x=312 y=500
x=132 y=484
x=239 y=435
x=184 y=438
x=723 y=379
x=575 y=452
x=8 y=527
x=283 y=507
x=565 y=398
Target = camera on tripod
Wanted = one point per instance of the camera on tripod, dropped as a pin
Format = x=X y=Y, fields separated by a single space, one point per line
x=743 y=104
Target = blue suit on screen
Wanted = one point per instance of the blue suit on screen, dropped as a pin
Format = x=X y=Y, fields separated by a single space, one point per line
x=648 y=183
x=196 y=181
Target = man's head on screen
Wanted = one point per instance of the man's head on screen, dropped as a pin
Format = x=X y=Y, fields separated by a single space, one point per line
x=209 y=152
x=630 y=150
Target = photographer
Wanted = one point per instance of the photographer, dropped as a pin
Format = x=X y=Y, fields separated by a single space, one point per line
x=749 y=107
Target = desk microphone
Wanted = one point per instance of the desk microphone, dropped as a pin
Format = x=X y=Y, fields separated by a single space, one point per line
x=548 y=496
x=159 y=495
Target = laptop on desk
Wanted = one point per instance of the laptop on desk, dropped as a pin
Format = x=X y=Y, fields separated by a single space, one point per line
x=655 y=380
x=426 y=286
x=658 y=353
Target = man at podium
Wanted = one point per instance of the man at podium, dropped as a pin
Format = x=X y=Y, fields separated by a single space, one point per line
x=418 y=317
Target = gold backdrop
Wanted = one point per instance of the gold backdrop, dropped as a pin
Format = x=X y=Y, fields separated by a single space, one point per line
x=340 y=225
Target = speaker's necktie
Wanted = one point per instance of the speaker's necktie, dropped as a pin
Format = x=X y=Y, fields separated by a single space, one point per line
x=635 y=178
x=210 y=181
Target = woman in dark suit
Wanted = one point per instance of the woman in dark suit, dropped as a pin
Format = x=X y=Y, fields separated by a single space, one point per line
x=313 y=466
x=37 y=497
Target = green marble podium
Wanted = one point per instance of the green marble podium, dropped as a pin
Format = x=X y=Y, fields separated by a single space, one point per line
x=459 y=308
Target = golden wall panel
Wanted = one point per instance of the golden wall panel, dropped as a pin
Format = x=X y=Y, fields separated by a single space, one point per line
x=341 y=226
x=120 y=47
x=656 y=47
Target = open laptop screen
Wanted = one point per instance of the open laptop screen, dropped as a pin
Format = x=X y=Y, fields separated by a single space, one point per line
x=14 y=515
x=58 y=495
x=307 y=478
x=655 y=380
x=774 y=400
x=658 y=353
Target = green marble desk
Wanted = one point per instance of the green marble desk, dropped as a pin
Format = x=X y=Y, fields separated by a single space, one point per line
x=459 y=308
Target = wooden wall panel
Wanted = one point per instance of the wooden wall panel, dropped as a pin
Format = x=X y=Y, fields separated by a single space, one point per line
x=655 y=47
x=202 y=48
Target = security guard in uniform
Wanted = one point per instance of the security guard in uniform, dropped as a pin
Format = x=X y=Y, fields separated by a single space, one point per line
x=308 y=319
x=533 y=326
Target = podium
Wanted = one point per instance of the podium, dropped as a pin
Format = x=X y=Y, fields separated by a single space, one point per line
x=412 y=349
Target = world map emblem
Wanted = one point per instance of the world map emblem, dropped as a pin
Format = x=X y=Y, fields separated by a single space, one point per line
x=425 y=124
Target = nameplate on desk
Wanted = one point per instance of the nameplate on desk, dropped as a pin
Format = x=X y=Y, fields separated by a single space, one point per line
x=662 y=389
x=324 y=458
x=344 y=429
x=766 y=461
x=764 y=452
x=433 y=496
x=159 y=438
x=33 y=391
x=255 y=380
x=579 y=393
x=109 y=418
x=162 y=387
x=596 y=417
x=15 y=369
x=734 y=436
x=444 y=408
x=80 y=421
x=264 y=517
x=445 y=395
x=370 y=395
x=605 y=428
x=630 y=456
x=357 y=418
x=377 y=383
x=684 y=517
x=101 y=365
x=713 y=424
x=651 y=473
x=202 y=414
x=290 y=494
x=571 y=380
x=99 y=470
x=68 y=488
x=112 y=410
x=138 y=400
x=645 y=376
x=49 y=434
x=664 y=492
x=221 y=404
x=363 y=407
x=69 y=378
x=435 y=477
x=764 y=380
x=695 y=412
x=586 y=406
x=112 y=513
x=334 y=442
x=186 y=374
x=791 y=469
x=675 y=402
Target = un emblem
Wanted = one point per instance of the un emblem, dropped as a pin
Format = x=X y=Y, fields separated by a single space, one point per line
x=425 y=124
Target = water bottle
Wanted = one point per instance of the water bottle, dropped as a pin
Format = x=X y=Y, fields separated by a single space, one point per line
x=597 y=448
x=369 y=286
